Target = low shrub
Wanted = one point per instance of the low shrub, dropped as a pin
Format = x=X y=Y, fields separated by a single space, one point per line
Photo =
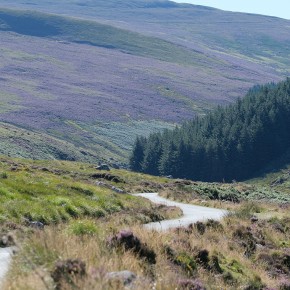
x=247 y=210
x=3 y=175
x=67 y=272
x=186 y=262
x=128 y=241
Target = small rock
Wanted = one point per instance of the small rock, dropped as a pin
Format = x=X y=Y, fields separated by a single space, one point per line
x=126 y=277
x=118 y=190
x=260 y=247
x=7 y=241
x=100 y=183
x=254 y=219
x=103 y=167
x=190 y=284
x=36 y=225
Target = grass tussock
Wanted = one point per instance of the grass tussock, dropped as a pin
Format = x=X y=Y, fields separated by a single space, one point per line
x=92 y=233
x=53 y=192
x=234 y=254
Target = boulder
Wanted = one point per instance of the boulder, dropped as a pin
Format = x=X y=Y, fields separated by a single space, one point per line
x=103 y=167
x=36 y=225
x=7 y=241
x=118 y=190
x=125 y=277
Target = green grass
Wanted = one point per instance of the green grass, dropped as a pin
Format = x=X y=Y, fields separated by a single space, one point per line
x=38 y=194
x=20 y=142
x=81 y=217
x=276 y=175
x=107 y=140
x=93 y=33
x=119 y=137
x=83 y=227
x=51 y=200
x=200 y=107
x=55 y=192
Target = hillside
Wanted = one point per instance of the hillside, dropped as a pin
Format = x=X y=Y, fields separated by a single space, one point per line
x=113 y=70
x=33 y=145
x=230 y=143
x=72 y=230
x=276 y=175
x=208 y=30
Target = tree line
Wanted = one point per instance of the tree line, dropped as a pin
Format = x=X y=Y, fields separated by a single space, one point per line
x=230 y=143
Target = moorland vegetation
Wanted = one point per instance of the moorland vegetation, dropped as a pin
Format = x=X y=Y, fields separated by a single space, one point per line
x=94 y=75
x=91 y=234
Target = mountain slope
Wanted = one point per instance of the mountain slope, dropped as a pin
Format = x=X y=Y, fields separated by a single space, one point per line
x=23 y=143
x=202 y=28
x=97 y=86
x=96 y=34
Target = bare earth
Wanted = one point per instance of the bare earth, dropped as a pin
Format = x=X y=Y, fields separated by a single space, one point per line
x=191 y=213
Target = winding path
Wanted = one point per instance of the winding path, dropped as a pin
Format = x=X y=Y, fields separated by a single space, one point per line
x=191 y=213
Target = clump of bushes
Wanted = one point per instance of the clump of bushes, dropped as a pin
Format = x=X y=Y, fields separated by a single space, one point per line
x=247 y=210
x=191 y=284
x=277 y=262
x=245 y=238
x=3 y=175
x=210 y=224
x=128 y=241
x=186 y=261
x=68 y=271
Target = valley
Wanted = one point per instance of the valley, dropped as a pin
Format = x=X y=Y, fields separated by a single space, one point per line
x=144 y=144
x=86 y=78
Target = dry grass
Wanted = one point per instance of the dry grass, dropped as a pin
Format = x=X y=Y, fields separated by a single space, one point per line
x=34 y=263
x=239 y=252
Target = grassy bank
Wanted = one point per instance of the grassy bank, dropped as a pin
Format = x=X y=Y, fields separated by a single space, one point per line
x=234 y=254
x=91 y=231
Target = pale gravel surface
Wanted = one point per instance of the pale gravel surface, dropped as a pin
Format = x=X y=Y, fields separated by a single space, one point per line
x=191 y=213
x=5 y=259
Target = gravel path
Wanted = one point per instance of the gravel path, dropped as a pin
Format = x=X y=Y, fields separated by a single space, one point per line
x=5 y=259
x=191 y=213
